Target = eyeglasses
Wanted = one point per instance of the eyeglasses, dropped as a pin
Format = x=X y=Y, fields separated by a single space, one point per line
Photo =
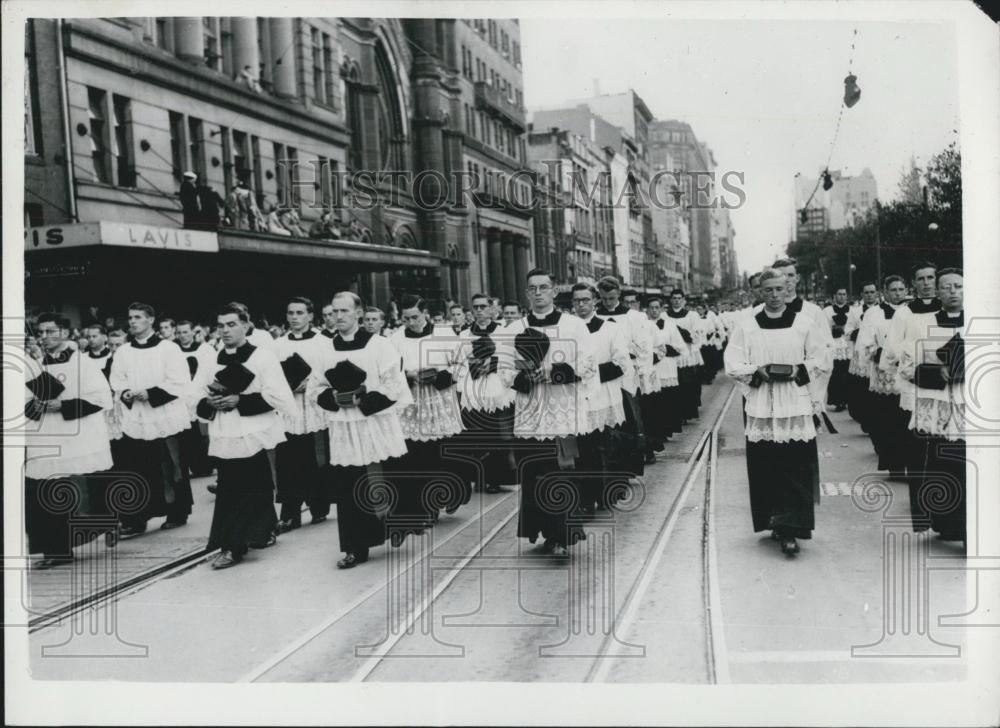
x=539 y=289
x=480 y=306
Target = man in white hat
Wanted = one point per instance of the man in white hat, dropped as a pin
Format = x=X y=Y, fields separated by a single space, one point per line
x=189 y=200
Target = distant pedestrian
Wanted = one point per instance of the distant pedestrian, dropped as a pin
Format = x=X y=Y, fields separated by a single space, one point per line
x=190 y=207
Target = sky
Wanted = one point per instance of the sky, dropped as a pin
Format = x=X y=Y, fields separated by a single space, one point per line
x=764 y=95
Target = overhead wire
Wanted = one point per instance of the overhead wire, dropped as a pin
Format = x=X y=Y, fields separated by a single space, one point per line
x=836 y=131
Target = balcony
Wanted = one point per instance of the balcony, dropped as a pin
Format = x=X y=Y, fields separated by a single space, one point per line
x=490 y=100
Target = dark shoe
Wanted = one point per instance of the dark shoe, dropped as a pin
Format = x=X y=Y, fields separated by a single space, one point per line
x=318 y=519
x=450 y=510
x=270 y=541
x=225 y=560
x=131 y=531
x=288 y=525
x=492 y=489
x=650 y=458
x=213 y=488
x=52 y=562
x=167 y=525
x=549 y=546
x=351 y=560
x=789 y=546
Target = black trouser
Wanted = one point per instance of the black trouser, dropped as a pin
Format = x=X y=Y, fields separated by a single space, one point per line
x=836 y=388
x=194 y=451
x=244 y=508
x=164 y=488
x=548 y=494
x=362 y=502
x=299 y=462
x=937 y=495
x=491 y=433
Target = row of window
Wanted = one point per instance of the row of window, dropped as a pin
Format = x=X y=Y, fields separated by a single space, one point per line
x=475 y=69
x=218 y=42
x=113 y=156
x=110 y=136
x=493 y=133
x=498 y=39
x=492 y=182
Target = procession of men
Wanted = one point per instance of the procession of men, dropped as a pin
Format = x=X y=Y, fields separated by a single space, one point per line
x=392 y=431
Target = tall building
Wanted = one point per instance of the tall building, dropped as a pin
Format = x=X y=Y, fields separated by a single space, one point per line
x=491 y=107
x=580 y=166
x=615 y=128
x=314 y=116
x=675 y=149
x=848 y=200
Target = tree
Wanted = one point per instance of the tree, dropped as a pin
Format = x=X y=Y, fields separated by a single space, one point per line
x=907 y=230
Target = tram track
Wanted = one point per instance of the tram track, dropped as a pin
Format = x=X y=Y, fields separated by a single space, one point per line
x=702 y=457
x=494 y=520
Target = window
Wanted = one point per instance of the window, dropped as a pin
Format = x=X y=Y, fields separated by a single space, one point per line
x=227 y=158
x=354 y=124
x=519 y=98
x=293 y=177
x=33 y=215
x=319 y=83
x=124 y=158
x=328 y=68
x=280 y=172
x=258 y=181
x=264 y=52
x=32 y=128
x=196 y=146
x=177 y=150
x=164 y=34
x=210 y=34
x=226 y=46
x=517 y=54
x=96 y=102
x=241 y=156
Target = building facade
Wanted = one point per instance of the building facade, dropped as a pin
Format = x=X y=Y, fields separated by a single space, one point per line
x=350 y=130
x=675 y=149
x=849 y=199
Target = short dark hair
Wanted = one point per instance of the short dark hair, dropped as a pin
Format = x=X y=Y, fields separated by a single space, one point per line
x=411 y=301
x=116 y=332
x=608 y=284
x=227 y=309
x=453 y=306
x=375 y=309
x=583 y=287
x=655 y=297
x=307 y=302
x=630 y=292
x=184 y=322
x=537 y=272
x=920 y=266
x=52 y=317
x=676 y=292
x=785 y=262
x=144 y=307
x=892 y=279
x=168 y=320
x=951 y=272
x=511 y=303
x=99 y=327
x=868 y=283
x=838 y=289
x=751 y=278
x=474 y=296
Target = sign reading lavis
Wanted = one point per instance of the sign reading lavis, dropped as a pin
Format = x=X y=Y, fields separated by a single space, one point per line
x=120 y=234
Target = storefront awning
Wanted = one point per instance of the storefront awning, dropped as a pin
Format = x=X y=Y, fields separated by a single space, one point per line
x=371 y=257
x=132 y=235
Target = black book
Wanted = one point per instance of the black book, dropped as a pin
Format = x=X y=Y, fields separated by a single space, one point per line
x=296 y=370
x=45 y=387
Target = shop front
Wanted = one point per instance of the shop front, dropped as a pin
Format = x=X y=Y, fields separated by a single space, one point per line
x=188 y=273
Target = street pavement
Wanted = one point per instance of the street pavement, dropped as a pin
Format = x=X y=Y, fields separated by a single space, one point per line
x=502 y=612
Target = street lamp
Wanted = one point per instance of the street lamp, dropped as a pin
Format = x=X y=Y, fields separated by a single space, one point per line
x=850 y=276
